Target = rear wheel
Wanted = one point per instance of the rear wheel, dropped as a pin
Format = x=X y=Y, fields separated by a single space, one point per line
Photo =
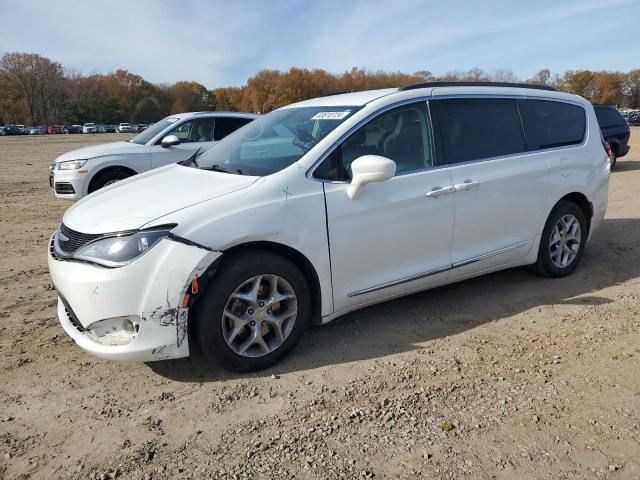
x=253 y=313
x=107 y=178
x=563 y=240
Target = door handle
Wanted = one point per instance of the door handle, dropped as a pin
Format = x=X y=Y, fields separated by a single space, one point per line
x=466 y=185
x=437 y=191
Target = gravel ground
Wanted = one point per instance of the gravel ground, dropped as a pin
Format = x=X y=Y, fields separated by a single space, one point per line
x=504 y=376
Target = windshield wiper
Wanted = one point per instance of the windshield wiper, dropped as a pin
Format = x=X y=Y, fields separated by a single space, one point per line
x=218 y=168
x=191 y=161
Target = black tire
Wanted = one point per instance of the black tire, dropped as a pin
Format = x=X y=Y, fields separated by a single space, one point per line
x=545 y=265
x=107 y=177
x=233 y=272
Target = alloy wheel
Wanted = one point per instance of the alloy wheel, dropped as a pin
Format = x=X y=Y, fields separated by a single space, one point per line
x=564 y=243
x=259 y=315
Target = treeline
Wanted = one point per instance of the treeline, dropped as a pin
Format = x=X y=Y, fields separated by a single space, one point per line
x=36 y=90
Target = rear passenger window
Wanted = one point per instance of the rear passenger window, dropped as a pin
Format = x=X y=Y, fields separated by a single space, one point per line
x=476 y=128
x=227 y=125
x=551 y=124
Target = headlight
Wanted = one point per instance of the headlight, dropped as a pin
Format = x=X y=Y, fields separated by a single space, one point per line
x=71 y=165
x=121 y=249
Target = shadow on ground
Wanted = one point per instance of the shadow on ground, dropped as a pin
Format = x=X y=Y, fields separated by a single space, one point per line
x=623 y=165
x=396 y=326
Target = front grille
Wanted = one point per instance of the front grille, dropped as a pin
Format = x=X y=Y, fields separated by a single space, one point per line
x=64 y=188
x=69 y=240
x=71 y=315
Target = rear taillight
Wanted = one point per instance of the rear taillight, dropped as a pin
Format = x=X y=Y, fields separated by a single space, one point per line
x=607 y=148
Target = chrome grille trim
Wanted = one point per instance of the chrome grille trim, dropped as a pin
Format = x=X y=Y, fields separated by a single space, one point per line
x=68 y=240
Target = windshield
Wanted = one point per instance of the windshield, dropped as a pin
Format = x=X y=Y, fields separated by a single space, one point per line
x=144 y=137
x=274 y=141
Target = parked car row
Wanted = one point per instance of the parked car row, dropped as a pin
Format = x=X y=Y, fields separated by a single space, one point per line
x=14 y=130
x=315 y=210
x=73 y=129
x=120 y=128
x=37 y=130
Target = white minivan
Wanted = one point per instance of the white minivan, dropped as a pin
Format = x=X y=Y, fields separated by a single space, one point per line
x=77 y=173
x=327 y=206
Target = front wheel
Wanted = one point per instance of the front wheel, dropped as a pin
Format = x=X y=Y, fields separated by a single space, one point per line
x=563 y=240
x=253 y=313
x=107 y=178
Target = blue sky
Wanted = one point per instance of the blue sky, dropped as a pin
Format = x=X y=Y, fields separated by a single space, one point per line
x=223 y=43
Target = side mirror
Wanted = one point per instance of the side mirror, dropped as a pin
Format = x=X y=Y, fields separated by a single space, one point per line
x=369 y=169
x=169 y=141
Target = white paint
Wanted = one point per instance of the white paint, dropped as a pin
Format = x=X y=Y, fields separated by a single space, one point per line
x=391 y=230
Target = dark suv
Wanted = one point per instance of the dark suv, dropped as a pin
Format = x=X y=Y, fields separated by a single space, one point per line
x=615 y=130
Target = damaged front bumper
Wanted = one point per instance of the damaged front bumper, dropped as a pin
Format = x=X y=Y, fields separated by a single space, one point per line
x=137 y=312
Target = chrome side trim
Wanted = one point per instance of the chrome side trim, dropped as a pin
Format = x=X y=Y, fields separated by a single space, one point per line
x=399 y=281
x=418 y=276
x=489 y=254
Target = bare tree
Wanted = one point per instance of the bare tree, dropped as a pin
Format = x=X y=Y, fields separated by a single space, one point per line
x=541 y=78
x=631 y=89
x=506 y=76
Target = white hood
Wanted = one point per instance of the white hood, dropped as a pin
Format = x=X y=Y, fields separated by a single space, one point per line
x=102 y=150
x=131 y=203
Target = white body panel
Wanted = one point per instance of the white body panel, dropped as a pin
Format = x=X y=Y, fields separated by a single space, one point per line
x=389 y=241
x=396 y=218
x=490 y=231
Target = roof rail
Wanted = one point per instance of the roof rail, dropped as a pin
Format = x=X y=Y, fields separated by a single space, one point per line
x=331 y=94
x=533 y=86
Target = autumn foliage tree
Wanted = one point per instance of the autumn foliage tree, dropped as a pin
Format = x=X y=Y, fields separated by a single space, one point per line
x=189 y=97
x=37 y=90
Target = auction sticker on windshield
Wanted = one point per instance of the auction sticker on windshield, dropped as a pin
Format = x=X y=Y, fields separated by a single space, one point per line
x=331 y=115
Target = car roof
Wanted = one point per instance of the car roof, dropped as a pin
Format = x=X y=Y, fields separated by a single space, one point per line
x=354 y=99
x=437 y=89
x=215 y=114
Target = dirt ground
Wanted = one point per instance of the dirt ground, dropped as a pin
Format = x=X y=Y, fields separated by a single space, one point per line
x=507 y=376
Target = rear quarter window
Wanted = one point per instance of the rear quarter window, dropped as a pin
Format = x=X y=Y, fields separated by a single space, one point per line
x=550 y=124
